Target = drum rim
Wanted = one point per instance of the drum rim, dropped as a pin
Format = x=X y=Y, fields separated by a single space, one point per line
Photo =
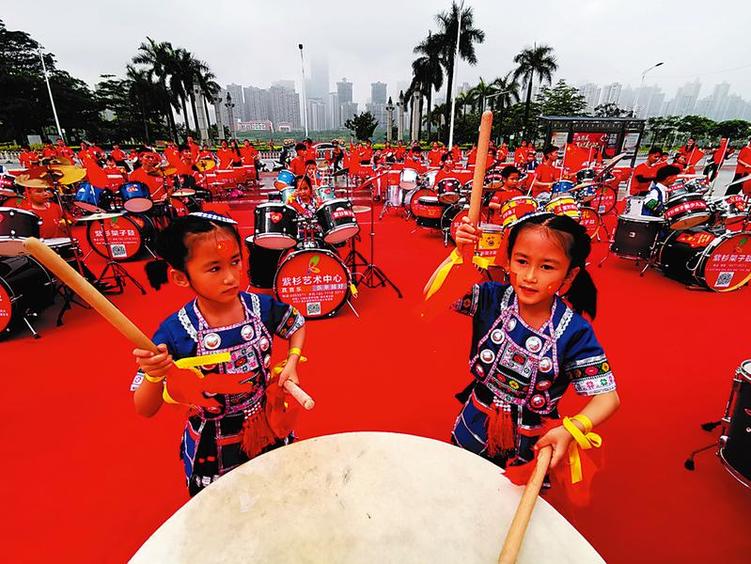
x=14 y=211
x=732 y=470
x=271 y=204
x=340 y=228
x=286 y=258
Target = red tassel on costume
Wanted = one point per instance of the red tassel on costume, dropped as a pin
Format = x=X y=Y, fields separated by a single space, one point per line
x=280 y=413
x=257 y=435
x=500 y=430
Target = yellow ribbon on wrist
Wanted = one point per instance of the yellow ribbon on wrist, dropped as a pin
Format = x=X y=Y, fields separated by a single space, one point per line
x=279 y=367
x=585 y=440
x=153 y=379
x=294 y=350
x=166 y=397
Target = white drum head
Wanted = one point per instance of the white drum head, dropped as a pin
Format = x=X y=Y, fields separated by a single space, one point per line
x=362 y=497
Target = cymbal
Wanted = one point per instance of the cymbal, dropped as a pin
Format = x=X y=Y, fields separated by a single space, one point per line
x=7 y=193
x=70 y=174
x=585 y=184
x=205 y=164
x=47 y=161
x=28 y=181
x=100 y=216
x=360 y=209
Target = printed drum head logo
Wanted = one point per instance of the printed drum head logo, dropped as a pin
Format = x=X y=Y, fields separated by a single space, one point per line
x=275 y=217
x=313 y=265
x=741 y=244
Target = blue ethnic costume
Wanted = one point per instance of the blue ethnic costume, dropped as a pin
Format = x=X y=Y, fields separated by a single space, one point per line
x=213 y=440
x=520 y=373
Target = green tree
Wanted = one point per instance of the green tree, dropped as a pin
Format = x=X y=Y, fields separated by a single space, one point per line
x=427 y=70
x=478 y=95
x=537 y=61
x=362 y=126
x=159 y=62
x=734 y=129
x=507 y=94
x=562 y=100
x=697 y=127
x=448 y=23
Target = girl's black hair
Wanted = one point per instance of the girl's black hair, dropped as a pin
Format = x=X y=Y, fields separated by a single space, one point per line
x=171 y=246
x=583 y=293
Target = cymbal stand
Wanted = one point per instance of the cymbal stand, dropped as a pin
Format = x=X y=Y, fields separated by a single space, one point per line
x=119 y=273
x=373 y=276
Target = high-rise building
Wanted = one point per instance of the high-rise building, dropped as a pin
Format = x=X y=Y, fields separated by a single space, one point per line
x=591 y=93
x=628 y=98
x=379 y=113
x=316 y=114
x=344 y=90
x=333 y=111
x=285 y=106
x=288 y=84
x=236 y=91
x=319 y=78
x=348 y=110
x=378 y=93
x=656 y=103
x=685 y=99
x=719 y=99
x=257 y=106
x=611 y=93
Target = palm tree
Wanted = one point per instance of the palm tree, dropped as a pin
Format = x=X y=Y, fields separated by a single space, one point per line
x=209 y=88
x=428 y=69
x=539 y=61
x=181 y=82
x=507 y=93
x=479 y=93
x=470 y=35
x=462 y=99
x=159 y=61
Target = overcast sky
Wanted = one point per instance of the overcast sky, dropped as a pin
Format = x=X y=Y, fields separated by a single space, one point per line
x=255 y=42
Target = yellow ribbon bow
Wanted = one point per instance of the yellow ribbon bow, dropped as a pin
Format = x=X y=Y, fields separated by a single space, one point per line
x=585 y=440
x=443 y=272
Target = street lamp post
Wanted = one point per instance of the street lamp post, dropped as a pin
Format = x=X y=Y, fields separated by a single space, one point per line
x=453 y=71
x=400 y=117
x=230 y=115
x=52 y=100
x=389 y=119
x=304 y=97
x=641 y=87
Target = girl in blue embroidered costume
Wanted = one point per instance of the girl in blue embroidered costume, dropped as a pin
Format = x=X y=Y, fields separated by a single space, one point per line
x=201 y=251
x=528 y=344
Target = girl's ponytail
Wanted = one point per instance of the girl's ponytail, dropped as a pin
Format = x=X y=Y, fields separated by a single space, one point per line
x=583 y=293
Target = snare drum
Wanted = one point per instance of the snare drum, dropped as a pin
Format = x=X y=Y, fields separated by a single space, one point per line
x=362 y=497
x=284 y=178
x=313 y=280
x=15 y=226
x=337 y=221
x=136 y=197
x=93 y=200
x=635 y=237
x=720 y=263
x=686 y=210
x=515 y=209
x=325 y=193
x=25 y=287
x=448 y=190
x=275 y=226
x=735 y=451
x=564 y=205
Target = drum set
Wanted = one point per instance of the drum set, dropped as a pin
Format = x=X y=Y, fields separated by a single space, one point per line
x=701 y=242
x=295 y=254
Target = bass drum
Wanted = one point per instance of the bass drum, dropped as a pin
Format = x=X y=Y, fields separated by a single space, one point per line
x=315 y=281
x=735 y=452
x=127 y=235
x=591 y=221
x=25 y=287
x=452 y=219
x=719 y=263
x=635 y=238
x=604 y=200
x=262 y=264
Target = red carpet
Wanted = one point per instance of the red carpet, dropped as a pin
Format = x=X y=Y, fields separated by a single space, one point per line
x=89 y=480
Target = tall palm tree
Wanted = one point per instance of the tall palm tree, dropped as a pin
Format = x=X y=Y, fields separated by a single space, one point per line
x=182 y=81
x=209 y=88
x=158 y=58
x=463 y=99
x=479 y=93
x=199 y=78
x=507 y=93
x=428 y=69
x=448 y=23
x=140 y=90
x=539 y=61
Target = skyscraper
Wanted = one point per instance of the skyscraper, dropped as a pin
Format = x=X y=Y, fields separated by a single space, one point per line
x=611 y=93
x=591 y=93
x=257 y=106
x=236 y=91
x=316 y=115
x=333 y=111
x=344 y=91
x=348 y=109
x=685 y=99
x=285 y=106
x=378 y=93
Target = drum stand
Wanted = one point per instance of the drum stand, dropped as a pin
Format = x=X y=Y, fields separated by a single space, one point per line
x=119 y=273
x=373 y=276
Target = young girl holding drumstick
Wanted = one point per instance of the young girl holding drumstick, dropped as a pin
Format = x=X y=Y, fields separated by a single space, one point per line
x=528 y=345
x=201 y=251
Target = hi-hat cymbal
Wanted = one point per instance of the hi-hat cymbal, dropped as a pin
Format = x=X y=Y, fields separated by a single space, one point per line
x=56 y=161
x=28 y=181
x=70 y=174
x=205 y=164
x=360 y=209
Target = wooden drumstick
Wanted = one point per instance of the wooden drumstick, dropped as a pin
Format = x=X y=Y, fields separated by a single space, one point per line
x=483 y=141
x=68 y=276
x=515 y=535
